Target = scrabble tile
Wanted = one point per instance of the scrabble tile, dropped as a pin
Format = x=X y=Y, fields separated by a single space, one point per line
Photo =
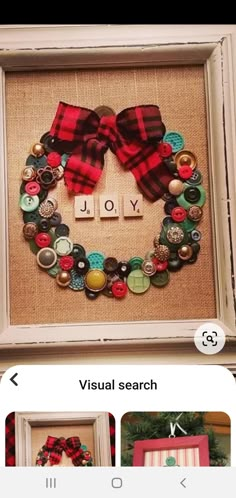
x=133 y=205
x=84 y=206
x=109 y=206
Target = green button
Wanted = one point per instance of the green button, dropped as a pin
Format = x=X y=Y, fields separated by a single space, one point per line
x=28 y=202
x=136 y=262
x=175 y=139
x=138 y=282
x=188 y=225
x=160 y=279
x=33 y=247
x=54 y=270
x=170 y=461
x=185 y=204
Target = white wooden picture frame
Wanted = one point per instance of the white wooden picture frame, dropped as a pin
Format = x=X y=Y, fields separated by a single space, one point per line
x=24 y=421
x=82 y=46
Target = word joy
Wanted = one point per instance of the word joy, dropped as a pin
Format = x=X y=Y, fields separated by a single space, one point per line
x=84 y=206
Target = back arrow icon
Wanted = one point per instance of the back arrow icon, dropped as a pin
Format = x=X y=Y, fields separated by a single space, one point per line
x=182 y=482
x=12 y=379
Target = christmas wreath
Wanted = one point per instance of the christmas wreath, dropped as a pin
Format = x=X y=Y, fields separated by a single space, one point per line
x=51 y=452
x=74 y=149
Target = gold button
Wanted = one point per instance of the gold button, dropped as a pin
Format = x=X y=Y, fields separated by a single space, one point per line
x=37 y=150
x=175 y=235
x=185 y=157
x=95 y=280
x=63 y=278
x=46 y=209
x=175 y=187
x=185 y=252
x=28 y=173
x=30 y=229
x=195 y=213
x=162 y=252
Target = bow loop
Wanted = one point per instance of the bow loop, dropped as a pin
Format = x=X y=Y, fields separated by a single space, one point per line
x=141 y=123
x=74 y=124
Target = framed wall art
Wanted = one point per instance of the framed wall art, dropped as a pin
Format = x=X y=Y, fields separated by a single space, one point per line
x=189 y=75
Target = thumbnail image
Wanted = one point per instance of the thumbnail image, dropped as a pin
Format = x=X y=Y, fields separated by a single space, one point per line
x=42 y=439
x=170 y=439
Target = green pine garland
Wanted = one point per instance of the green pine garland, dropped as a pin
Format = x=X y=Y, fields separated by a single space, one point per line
x=145 y=425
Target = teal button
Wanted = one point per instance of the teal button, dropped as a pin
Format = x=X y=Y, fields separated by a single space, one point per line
x=185 y=204
x=137 y=282
x=96 y=260
x=160 y=279
x=29 y=203
x=77 y=281
x=175 y=139
x=136 y=262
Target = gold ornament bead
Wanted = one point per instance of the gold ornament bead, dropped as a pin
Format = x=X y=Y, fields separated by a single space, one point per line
x=195 y=213
x=162 y=252
x=37 y=150
x=185 y=252
x=175 y=187
x=63 y=278
x=28 y=173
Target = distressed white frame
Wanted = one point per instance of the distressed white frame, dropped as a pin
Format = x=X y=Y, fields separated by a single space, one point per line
x=85 y=46
x=24 y=421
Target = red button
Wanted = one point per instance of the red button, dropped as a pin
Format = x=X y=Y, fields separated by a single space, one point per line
x=32 y=188
x=164 y=149
x=185 y=172
x=66 y=263
x=178 y=214
x=54 y=159
x=43 y=239
x=119 y=289
x=160 y=265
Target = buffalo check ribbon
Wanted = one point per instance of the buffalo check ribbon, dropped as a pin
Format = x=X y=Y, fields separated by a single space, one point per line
x=54 y=448
x=132 y=135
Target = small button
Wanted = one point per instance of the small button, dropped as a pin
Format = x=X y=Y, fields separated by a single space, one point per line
x=192 y=194
x=185 y=157
x=137 y=282
x=195 y=247
x=32 y=188
x=33 y=216
x=110 y=265
x=46 y=257
x=164 y=149
x=95 y=280
x=54 y=159
x=63 y=278
x=162 y=252
x=178 y=214
x=28 y=174
x=160 y=279
x=175 y=235
x=78 y=251
x=81 y=265
x=196 y=235
x=91 y=294
x=55 y=219
x=36 y=162
x=160 y=265
x=96 y=259
x=59 y=172
x=66 y=263
x=175 y=139
x=63 y=246
x=37 y=149
x=47 y=141
x=175 y=264
x=46 y=209
x=29 y=203
x=196 y=178
x=148 y=267
x=30 y=230
x=182 y=200
x=195 y=213
x=135 y=262
x=119 y=289
x=185 y=172
x=185 y=252
x=46 y=177
x=44 y=225
x=175 y=187
x=77 y=281
x=62 y=230
x=43 y=239
x=124 y=268
x=192 y=260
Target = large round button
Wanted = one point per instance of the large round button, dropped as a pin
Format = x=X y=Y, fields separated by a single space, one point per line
x=137 y=282
x=160 y=279
x=110 y=265
x=95 y=280
x=43 y=239
x=29 y=203
x=96 y=259
x=46 y=257
x=119 y=289
x=186 y=204
x=32 y=188
x=30 y=230
x=63 y=246
x=175 y=139
x=175 y=187
x=185 y=157
x=192 y=194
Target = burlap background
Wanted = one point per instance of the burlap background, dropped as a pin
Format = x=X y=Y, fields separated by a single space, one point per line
x=32 y=100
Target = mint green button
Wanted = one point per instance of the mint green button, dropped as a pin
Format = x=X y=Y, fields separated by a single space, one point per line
x=170 y=461
x=160 y=279
x=54 y=270
x=137 y=282
x=28 y=202
x=185 y=204
x=136 y=262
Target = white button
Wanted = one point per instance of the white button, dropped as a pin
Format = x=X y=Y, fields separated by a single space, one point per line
x=209 y=338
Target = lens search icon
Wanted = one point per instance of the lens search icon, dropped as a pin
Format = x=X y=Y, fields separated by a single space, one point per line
x=209 y=338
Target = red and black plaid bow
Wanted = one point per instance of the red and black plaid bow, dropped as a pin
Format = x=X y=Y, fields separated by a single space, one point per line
x=71 y=446
x=132 y=135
